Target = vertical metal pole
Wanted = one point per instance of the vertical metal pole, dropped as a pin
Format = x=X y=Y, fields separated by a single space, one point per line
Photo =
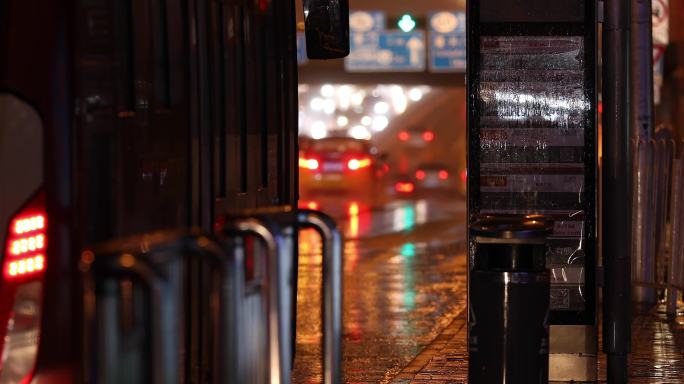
x=617 y=185
x=165 y=341
x=228 y=359
x=643 y=241
x=106 y=313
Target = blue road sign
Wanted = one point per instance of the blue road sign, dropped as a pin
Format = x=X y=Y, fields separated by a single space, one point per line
x=447 y=41
x=386 y=51
x=301 y=49
x=366 y=21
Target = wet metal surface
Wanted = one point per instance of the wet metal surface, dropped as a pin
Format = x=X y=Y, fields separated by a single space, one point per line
x=404 y=284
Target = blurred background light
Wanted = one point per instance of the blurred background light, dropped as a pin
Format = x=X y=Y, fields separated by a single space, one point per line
x=360 y=132
x=331 y=109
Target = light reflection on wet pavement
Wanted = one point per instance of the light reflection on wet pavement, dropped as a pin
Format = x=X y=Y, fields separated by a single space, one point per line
x=404 y=282
x=405 y=295
x=657 y=347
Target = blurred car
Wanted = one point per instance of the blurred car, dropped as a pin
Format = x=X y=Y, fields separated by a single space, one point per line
x=340 y=165
x=416 y=137
x=434 y=177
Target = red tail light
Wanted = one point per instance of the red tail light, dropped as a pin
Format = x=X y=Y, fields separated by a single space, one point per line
x=443 y=174
x=403 y=136
x=420 y=174
x=310 y=164
x=23 y=264
x=309 y=204
x=404 y=187
x=355 y=164
x=464 y=175
x=428 y=136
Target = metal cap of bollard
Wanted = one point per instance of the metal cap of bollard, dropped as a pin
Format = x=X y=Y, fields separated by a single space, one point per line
x=509 y=228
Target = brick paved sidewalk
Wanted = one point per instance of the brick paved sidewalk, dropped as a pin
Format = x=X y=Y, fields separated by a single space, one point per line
x=443 y=361
x=658 y=353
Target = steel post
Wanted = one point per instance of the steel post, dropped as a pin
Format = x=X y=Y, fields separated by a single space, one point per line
x=617 y=186
x=643 y=221
x=227 y=320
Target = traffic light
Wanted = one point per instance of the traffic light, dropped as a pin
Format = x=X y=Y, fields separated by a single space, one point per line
x=406 y=23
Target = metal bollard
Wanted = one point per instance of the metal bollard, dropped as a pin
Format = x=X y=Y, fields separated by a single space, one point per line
x=508 y=327
x=277 y=370
x=290 y=221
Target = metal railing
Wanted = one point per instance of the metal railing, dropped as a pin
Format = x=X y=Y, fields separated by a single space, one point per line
x=134 y=307
x=290 y=222
x=178 y=307
x=277 y=369
x=657 y=242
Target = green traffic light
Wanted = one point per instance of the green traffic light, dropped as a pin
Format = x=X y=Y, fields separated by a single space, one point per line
x=406 y=23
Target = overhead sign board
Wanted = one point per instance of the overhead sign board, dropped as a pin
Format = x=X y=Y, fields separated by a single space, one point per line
x=386 y=51
x=366 y=21
x=447 y=41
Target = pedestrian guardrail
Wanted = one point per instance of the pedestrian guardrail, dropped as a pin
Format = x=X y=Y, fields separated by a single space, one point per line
x=246 y=349
x=658 y=219
x=134 y=307
x=177 y=307
x=290 y=222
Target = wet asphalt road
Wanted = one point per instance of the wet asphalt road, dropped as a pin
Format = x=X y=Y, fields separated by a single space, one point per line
x=405 y=281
